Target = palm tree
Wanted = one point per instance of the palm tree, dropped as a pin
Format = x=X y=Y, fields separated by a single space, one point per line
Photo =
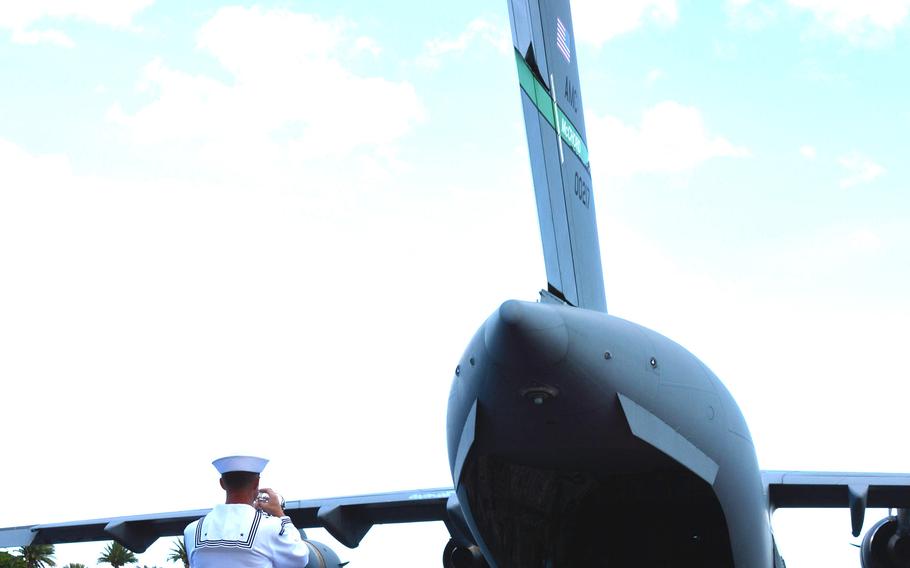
x=178 y=553
x=38 y=555
x=116 y=555
x=7 y=560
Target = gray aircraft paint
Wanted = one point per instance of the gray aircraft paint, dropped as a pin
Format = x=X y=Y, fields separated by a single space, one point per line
x=650 y=390
x=537 y=377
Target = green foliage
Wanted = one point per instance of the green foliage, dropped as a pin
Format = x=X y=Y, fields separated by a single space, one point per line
x=116 y=555
x=7 y=560
x=178 y=553
x=74 y=565
x=38 y=555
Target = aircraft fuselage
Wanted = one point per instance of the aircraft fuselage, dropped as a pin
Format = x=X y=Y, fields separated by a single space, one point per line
x=580 y=439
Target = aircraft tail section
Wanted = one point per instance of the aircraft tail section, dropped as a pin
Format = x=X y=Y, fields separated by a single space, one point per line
x=542 y=34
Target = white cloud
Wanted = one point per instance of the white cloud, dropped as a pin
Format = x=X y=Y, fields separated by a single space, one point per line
x=192 y=285
x=860 y=170
x=34 y=37
x=290 y=93
x=18 y=165
x=479 y=30
x=187 y=106
x=114 y=13
x=671 y=138
x=751 y=14
x=20 y=16
x=868 y=22
x=597 y=22
x=818 y=255
x=865 y=240
x=808 y=152
x=368 y=45
x=655 y=75
x=862 y=21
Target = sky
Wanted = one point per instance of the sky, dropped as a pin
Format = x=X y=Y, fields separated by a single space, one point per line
x=273 y=227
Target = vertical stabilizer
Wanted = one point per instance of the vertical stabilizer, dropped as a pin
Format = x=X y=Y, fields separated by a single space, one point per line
x=542 y=34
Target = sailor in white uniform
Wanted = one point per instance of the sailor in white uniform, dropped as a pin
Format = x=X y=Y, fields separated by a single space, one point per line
x=244 y=532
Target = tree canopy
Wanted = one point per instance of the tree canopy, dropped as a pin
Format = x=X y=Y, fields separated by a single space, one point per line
x=178 y=553
x=116 y=555
x=8 y=560
x=38 y=555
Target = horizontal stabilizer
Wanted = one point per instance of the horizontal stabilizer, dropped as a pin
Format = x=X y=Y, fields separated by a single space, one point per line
x=855 y=491
x=816 y=489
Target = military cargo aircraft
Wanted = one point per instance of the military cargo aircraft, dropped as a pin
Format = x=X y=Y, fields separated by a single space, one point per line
x=576 y=438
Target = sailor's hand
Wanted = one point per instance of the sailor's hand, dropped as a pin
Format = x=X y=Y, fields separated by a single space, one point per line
x=273 y=505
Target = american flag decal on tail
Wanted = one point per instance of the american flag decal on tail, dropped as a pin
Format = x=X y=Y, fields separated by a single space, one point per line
x=562 y=40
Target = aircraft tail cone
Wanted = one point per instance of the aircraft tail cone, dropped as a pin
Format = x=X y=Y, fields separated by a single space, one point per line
x=526 y=334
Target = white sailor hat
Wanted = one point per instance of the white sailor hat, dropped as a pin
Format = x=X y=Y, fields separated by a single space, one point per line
x=240 y=463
